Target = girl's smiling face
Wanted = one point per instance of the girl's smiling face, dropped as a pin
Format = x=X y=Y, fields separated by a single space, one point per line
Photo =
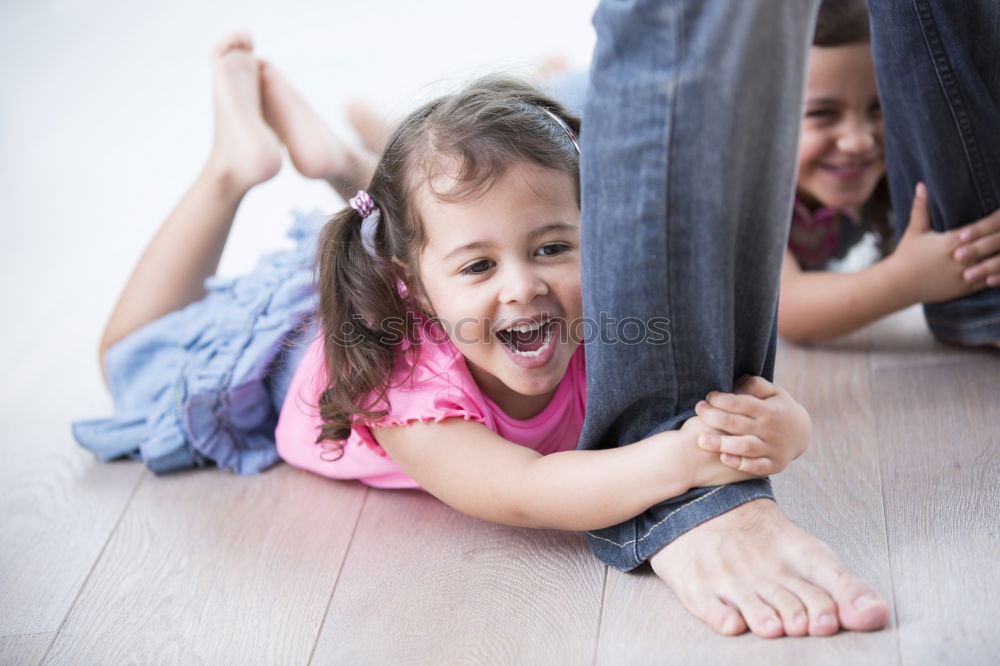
x=840 y=157
x=501 y=272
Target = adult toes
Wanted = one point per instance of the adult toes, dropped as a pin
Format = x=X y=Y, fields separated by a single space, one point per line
x=820 y=607
x=721 y=617
x=794 y=615
x=760 y=617
x=859 y=607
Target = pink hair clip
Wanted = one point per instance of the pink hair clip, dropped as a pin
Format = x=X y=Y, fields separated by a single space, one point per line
x=362 y=202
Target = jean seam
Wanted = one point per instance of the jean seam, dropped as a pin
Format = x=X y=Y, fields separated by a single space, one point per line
x=678 y=35
x=953 y=97
x=653 y=528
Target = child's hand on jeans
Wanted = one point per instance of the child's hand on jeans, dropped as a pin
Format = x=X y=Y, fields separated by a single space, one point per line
x=933 y=266
x=760 y=428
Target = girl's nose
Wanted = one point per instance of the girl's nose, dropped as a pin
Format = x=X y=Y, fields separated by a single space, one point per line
x=857 y=138
x=522 y=285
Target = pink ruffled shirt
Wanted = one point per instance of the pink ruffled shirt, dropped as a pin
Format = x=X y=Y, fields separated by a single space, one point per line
x=440 y=388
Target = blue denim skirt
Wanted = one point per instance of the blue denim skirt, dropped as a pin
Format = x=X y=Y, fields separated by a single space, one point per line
x=204 y=385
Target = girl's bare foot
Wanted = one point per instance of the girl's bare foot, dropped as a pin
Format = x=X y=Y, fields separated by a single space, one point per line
x=370 y=126
x=551 y=67
x=245 y=151
x=752 y=568
x=315 y=151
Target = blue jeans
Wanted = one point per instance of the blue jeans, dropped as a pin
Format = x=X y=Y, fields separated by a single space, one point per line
x=688 y=163
x=939 y=86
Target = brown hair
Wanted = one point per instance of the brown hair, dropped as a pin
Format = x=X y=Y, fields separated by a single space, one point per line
x=843 y=23
x=487 y=127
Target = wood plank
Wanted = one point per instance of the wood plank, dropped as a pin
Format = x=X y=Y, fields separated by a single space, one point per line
x=59 y=505
x=425 y=584
x=24 y=649
x=833 y=492
x=903 y=340
x=208 y=567
x=939 y=440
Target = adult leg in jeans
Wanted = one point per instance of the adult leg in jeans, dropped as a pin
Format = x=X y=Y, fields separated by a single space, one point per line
x=939 y=86
x=689 y=143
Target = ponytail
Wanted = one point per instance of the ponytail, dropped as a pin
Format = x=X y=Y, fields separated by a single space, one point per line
x=359 y=301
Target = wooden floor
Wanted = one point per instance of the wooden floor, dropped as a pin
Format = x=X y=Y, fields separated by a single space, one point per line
x=108 y=564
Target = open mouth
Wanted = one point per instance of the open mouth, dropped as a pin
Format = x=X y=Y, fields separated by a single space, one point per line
x=527 y=339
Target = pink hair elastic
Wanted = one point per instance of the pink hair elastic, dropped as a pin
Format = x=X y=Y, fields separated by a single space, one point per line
x=362 y=202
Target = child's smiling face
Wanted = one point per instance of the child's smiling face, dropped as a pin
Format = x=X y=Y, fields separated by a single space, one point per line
x=840 y=157
x=508 y=259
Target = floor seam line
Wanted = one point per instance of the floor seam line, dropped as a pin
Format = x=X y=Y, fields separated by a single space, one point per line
x=340 y=571
x=600 y=615
x=93 y=567
x=881 y=491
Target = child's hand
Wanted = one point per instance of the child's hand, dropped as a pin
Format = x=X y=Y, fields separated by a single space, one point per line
x=704 y=467
x=979 y=252
x=933 y=266
x=763 y=428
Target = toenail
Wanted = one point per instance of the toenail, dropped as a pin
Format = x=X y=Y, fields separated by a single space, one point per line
x=729 y=626
x=865 y=601
x=799 y=619
x=770 y=625
x=826 y=620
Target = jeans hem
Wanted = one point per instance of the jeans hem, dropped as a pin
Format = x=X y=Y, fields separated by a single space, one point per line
x=980 y=332
x=625 y=549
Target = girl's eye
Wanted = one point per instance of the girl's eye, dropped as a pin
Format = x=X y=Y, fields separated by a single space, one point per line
x=552 y=249
x=822 y=114
x=478 y=267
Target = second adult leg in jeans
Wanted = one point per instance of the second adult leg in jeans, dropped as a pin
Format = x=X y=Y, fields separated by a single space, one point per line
x=688 y=168
x=939 y=87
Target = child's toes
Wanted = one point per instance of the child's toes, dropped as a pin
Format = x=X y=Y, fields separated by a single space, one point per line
x=236 y=40
x=242 y=40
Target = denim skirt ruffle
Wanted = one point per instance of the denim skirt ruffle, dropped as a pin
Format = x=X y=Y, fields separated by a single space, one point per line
x=204 y=385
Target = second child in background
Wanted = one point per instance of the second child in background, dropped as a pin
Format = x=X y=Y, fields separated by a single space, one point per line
x=843 y=268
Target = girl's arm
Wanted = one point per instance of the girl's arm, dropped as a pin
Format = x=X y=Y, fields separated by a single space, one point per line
x=474 y=470
x=927 y=266
x=819 y=305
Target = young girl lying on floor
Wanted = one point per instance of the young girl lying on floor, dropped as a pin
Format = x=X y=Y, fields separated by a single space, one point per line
x=841 y=220
x=447 y=350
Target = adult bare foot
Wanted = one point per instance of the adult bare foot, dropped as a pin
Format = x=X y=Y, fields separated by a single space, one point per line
x=245 y=150
x=315 y=151
x=752 y=568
